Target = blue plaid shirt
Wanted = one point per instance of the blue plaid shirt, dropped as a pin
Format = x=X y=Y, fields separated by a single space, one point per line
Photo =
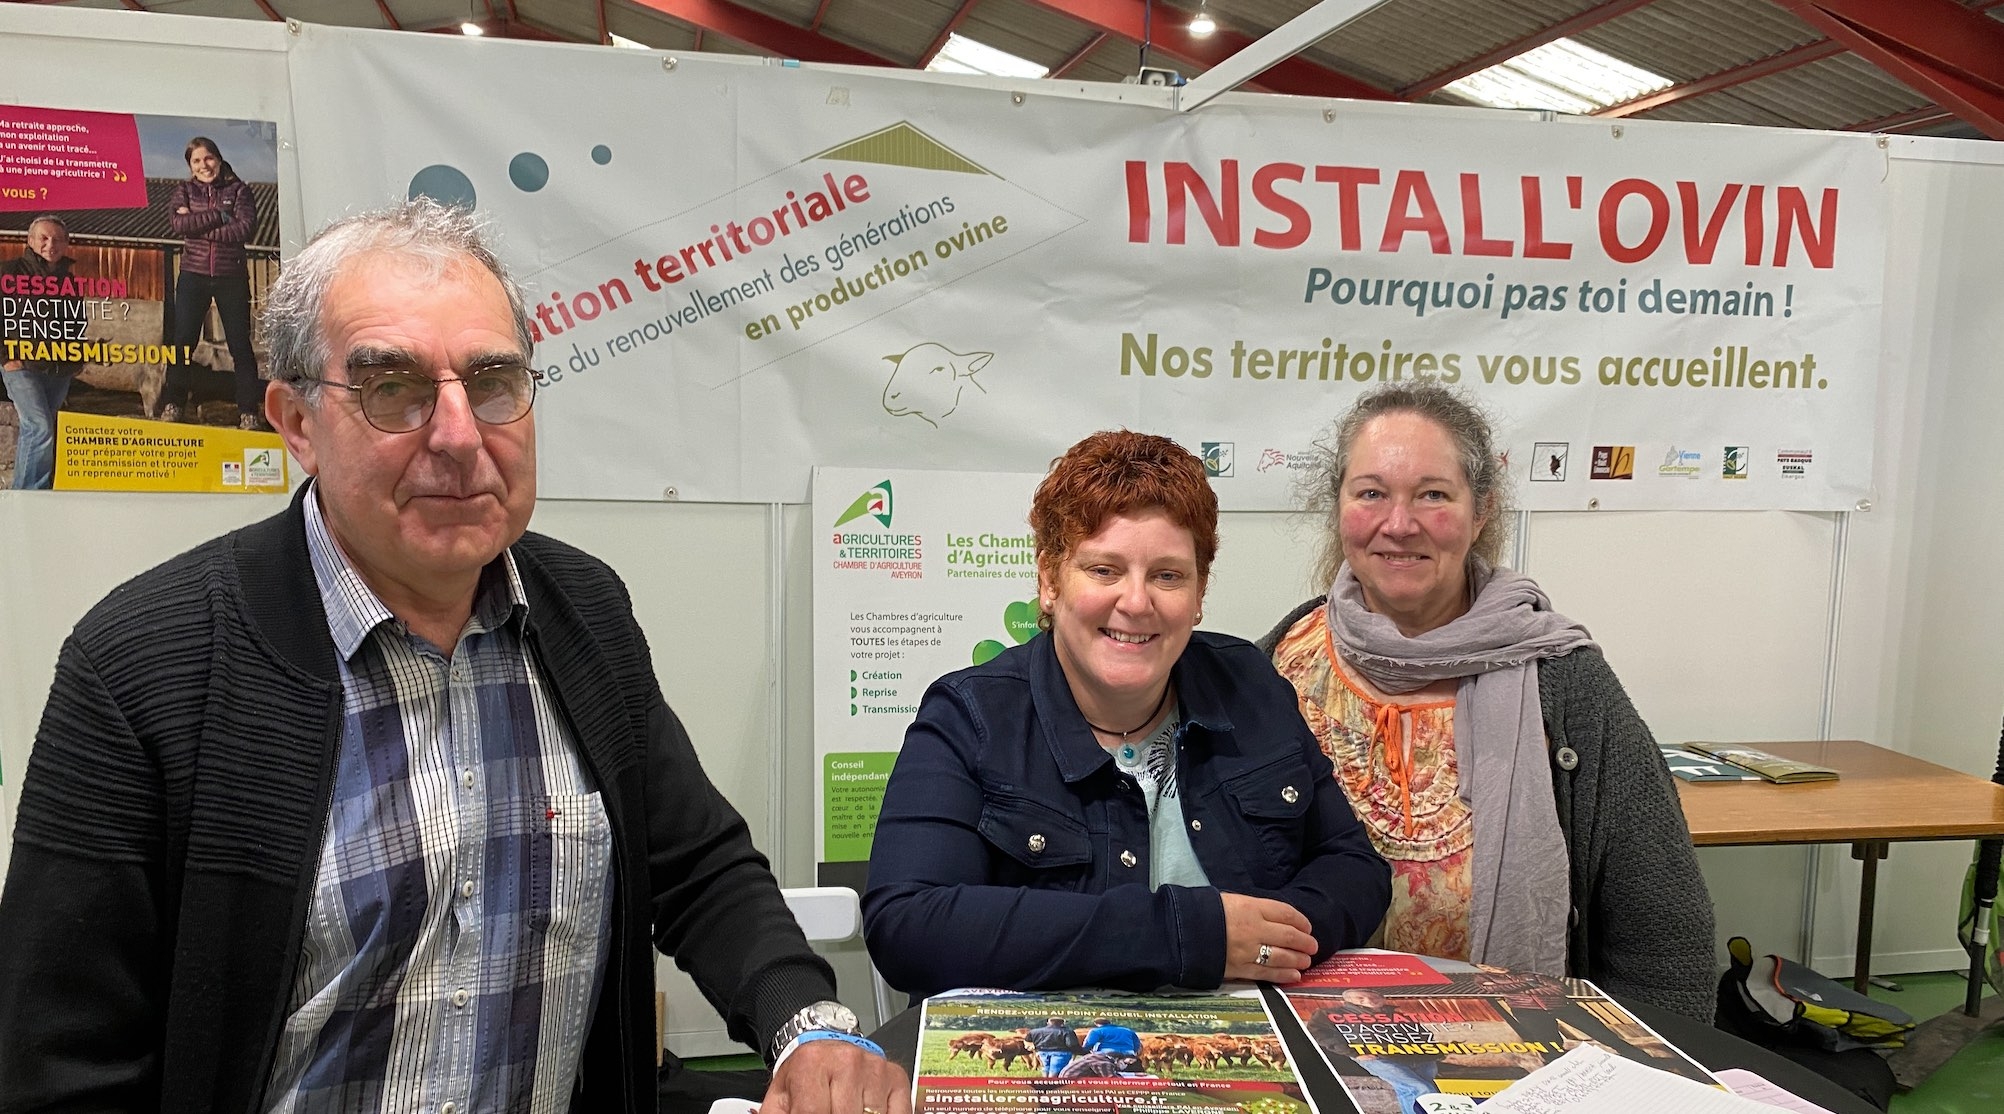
x=461 y=912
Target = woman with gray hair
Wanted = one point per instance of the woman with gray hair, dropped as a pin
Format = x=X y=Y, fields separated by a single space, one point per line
x=1481 y=737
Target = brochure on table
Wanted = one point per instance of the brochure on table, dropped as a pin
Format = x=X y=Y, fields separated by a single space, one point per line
x=1399 y=1030
x=1198 y=1054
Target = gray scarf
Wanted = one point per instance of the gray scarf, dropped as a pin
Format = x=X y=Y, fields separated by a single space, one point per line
x=1522 y=889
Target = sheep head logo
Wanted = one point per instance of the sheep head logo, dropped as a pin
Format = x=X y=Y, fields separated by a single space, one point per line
x=927 y=379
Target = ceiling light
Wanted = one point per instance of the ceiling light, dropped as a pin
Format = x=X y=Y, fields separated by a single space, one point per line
x=1202 y=24
x=471 y=29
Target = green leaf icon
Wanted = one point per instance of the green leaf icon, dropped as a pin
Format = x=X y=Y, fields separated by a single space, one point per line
x=1020 y=620
x=986 y=649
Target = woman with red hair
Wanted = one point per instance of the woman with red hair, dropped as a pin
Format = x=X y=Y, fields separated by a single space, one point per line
x=1121 y=801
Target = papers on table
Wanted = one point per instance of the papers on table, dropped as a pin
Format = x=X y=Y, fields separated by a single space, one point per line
x=1749 y=1085
x=1590 y=1080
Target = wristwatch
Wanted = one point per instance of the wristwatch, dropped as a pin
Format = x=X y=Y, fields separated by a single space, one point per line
x=829 y=1016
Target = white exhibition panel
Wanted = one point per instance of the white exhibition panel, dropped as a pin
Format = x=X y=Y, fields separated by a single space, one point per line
x=740 y=271
x=1718 y=623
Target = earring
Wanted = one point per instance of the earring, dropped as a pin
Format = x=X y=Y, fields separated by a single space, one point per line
x=1198 y=619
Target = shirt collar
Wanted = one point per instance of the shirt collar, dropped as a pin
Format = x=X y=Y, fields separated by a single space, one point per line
x=354 y=610
x=1078 y=754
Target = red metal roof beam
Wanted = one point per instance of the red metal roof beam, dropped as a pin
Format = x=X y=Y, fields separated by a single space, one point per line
x=1912 y=119
x=1938 y=48
x=1726 y=79
x=1081 y=54
x=763 y=32
x=1592 y=17
x=1172 y=36
x=1764 y=67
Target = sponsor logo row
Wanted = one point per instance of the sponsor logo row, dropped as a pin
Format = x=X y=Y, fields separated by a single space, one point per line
x=1551 y=462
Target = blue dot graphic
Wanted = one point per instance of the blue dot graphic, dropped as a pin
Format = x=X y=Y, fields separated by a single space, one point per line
x=601 y=154
x=529 y=172
x=443 y=184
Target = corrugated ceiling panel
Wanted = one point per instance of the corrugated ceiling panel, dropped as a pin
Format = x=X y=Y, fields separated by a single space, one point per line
x=1834 y=93
x=896 y=29
x=657 y=31
x=1688 y=39
x=1116 y=58
x=1720 y=108
x=800 y=13
x=1394 y=45
x=568 y=18
x=1402 y=42
x=1028 y=31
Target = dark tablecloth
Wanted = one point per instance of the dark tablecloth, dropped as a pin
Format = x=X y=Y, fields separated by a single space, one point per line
x=1711 y=1047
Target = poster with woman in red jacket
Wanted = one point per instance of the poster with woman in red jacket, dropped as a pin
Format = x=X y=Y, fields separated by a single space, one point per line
x=216 y=212
x=135 y=250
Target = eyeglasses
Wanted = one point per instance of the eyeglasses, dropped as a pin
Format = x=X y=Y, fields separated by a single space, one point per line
x=402 y=401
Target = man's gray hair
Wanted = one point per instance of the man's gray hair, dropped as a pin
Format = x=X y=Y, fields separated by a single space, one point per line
x=49 y=218
x=418 y=233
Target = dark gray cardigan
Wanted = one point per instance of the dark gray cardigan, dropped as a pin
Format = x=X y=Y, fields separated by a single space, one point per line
x=1641 y=917
x=171 y=819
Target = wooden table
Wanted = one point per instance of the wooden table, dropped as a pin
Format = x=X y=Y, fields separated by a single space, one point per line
x=1881 y=797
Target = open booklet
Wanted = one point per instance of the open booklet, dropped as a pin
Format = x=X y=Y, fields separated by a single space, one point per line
x=979 y=1053
x=1773 y=767
x=1405 y=1032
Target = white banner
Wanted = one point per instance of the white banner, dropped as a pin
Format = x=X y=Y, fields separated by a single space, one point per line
x=743 y=270
x=916 y=574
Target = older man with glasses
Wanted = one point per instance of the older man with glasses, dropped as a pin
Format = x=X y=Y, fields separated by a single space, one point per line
x=32 y=324
x=376 y=804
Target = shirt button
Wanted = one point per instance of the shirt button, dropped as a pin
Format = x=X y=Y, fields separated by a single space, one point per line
x=448 y=1108
x=1568 y=758
x=1196 y=825
x=1036 y=843
x=459 y=998
x=1127 y=858
x=466 y=778
x=466 y=888
x=1290 y=794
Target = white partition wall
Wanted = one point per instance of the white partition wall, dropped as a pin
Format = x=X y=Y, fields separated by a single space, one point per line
x=1719 y=623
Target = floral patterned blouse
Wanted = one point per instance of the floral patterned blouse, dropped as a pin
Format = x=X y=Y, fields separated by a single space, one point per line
x=1394 y=756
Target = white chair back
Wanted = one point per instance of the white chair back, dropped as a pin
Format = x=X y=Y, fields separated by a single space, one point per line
x=830 y=915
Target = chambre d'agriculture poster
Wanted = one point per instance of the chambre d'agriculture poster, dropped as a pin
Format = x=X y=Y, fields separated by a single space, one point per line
x=135 y=251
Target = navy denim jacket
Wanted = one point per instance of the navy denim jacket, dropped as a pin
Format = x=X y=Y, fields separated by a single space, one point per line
x=1012 y=852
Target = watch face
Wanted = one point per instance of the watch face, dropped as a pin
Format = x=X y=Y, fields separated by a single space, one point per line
x=831 y=1015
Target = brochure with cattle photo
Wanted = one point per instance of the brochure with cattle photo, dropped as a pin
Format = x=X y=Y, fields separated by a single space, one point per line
x=1406 y=1033
x=991 y=1052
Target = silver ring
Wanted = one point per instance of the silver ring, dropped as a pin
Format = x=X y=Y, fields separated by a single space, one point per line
x=1265 y=955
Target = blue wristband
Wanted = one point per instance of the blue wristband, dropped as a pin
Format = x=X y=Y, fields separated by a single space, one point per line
x=864 y=1043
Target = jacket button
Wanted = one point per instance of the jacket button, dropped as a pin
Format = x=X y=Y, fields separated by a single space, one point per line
x=1196 y=825
x=1036 y=844
x=1568 y=758
x=1290 y=794
x=1127 y=858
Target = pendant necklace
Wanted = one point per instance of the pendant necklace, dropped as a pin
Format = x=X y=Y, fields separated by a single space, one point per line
x=1127 y=751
